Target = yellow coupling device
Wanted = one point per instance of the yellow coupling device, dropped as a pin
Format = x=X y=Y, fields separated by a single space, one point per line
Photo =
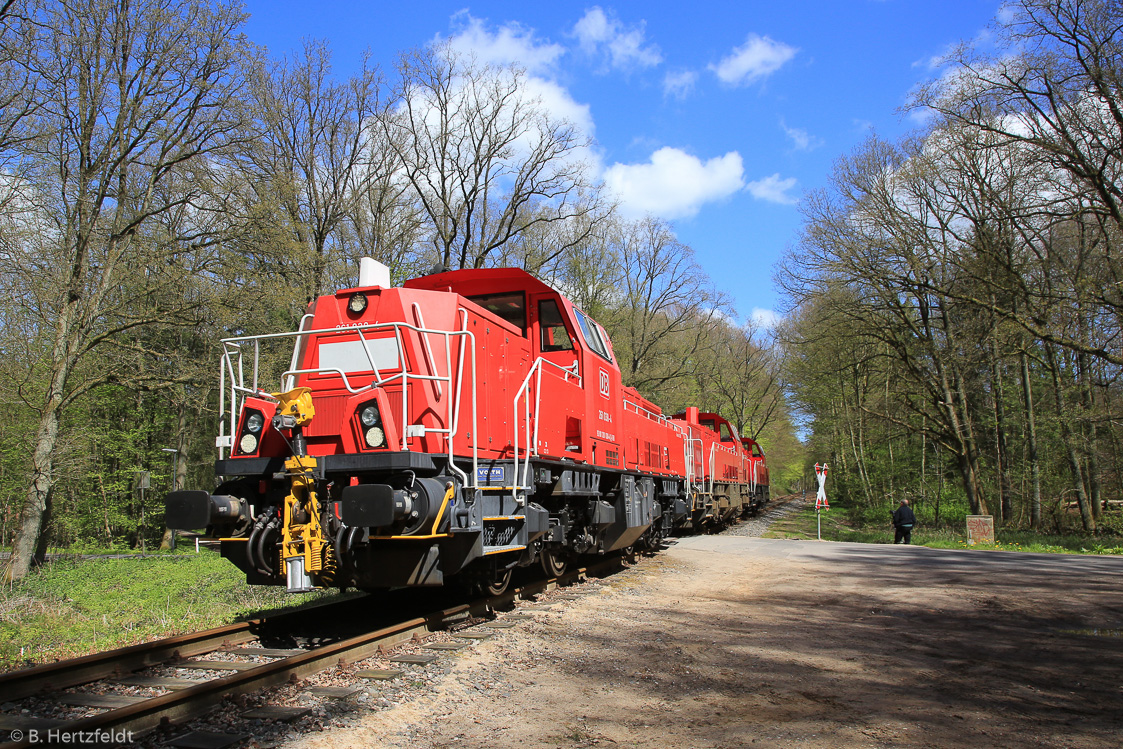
x=302 y=535
x=294 y=407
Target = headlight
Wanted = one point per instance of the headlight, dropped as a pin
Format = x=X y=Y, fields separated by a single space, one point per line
x=375 y=437
x=254 y=422
x=248 y=443
x=357 y=303
x=370 y=417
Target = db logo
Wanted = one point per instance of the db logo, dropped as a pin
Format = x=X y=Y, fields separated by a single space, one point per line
x=604 y=384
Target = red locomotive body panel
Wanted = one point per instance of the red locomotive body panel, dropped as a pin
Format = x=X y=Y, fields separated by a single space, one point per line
x=464 y=424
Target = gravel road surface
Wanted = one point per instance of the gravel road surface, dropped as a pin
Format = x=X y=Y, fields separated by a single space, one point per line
x=733 y=641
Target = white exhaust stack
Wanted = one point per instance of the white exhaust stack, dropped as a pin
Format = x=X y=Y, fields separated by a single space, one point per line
x=373 y=273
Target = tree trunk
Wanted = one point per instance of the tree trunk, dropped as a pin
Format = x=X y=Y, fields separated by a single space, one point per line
x=953 y=401
x=1006 y=504
x=971 y=450
x=179 y=469
x=30 y=544
x=1090 y=437
x=939 y=492
x=889 y=440
x=965 y=459
x=1031 y=433
x=856 y=445
x=924 y=460
x=1086 y=518
x=28 y=547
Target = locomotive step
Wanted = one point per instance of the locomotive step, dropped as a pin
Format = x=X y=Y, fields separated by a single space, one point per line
x=501 y=549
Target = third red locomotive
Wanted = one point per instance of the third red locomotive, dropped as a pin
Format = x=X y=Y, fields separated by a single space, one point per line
x=464 y=424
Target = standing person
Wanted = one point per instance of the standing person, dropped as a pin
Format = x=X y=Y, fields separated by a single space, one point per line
x=903 y=521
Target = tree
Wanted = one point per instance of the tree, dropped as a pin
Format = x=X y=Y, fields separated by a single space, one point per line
x=1053 y=94
x=666 y=309
x=887 y=233
x=1059 y=93
x=133 y=97
x=485 y=161
x=742 y=380
x=314 y=157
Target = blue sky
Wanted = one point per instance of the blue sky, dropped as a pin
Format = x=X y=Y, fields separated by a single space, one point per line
x=716 y=116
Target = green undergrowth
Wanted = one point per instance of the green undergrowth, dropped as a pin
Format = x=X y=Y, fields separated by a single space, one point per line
x=843 y=524
x=68 y=608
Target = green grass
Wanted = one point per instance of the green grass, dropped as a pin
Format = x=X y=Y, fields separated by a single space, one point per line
x=835 y=527
x=1012 y=540
x=68 y=608
x=841 y=524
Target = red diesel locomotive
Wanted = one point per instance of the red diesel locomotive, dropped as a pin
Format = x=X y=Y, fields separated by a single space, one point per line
x=467 y=423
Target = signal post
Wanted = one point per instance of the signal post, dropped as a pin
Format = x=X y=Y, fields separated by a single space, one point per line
x=821 y=497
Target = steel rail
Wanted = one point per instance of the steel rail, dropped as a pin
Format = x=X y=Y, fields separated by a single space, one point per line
x=192 y=702
x=53 y=677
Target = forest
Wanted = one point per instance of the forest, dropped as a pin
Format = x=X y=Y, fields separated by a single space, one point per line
x=954 y=329
x=166 y=183
x=953 y=321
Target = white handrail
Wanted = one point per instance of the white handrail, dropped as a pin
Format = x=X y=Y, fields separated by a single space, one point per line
x=713 y=447
x=417 y=318
x=297 y=350
x=522 y=474
x=693 y=462
x=649 y=413
x=220 y=443
x=231 y=364
x=564 y=370
x=518 y=483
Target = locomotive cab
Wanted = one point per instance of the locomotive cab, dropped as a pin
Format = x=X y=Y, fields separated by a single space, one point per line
x=758 y=473
x=570 y=360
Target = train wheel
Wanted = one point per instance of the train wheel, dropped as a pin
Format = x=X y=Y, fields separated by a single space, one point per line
x=498 y=586
x=553 y=562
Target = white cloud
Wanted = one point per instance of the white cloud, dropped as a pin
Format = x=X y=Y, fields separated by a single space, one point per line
x=625 y=48
x=679 y=85
x=802 y=139
x=934 y=62
x=557 y=100
x=757 y=58
x=510 y=44
x=765 y=318
x=673 y=183
x=514 y=44
x=773 y=189
x=921 y=115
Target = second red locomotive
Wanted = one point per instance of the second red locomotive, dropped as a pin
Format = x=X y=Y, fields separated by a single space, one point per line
x=464 y=424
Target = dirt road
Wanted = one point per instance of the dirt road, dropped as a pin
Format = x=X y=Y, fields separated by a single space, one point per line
x=730 y=641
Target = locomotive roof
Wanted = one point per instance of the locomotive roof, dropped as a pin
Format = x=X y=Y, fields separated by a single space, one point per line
x=472 y=281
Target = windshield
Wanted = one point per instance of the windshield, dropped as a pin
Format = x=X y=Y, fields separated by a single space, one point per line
x=351 y=356
x=591 y=333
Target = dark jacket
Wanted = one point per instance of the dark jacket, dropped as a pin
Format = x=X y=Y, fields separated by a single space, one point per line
x=904 y=516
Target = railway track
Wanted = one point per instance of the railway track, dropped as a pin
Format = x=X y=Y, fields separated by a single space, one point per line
x=243 y=662
x=239 y=665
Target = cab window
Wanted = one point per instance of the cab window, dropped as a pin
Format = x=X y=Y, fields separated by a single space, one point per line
x=590 y=331
x=552 y=328
x=511 y=306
